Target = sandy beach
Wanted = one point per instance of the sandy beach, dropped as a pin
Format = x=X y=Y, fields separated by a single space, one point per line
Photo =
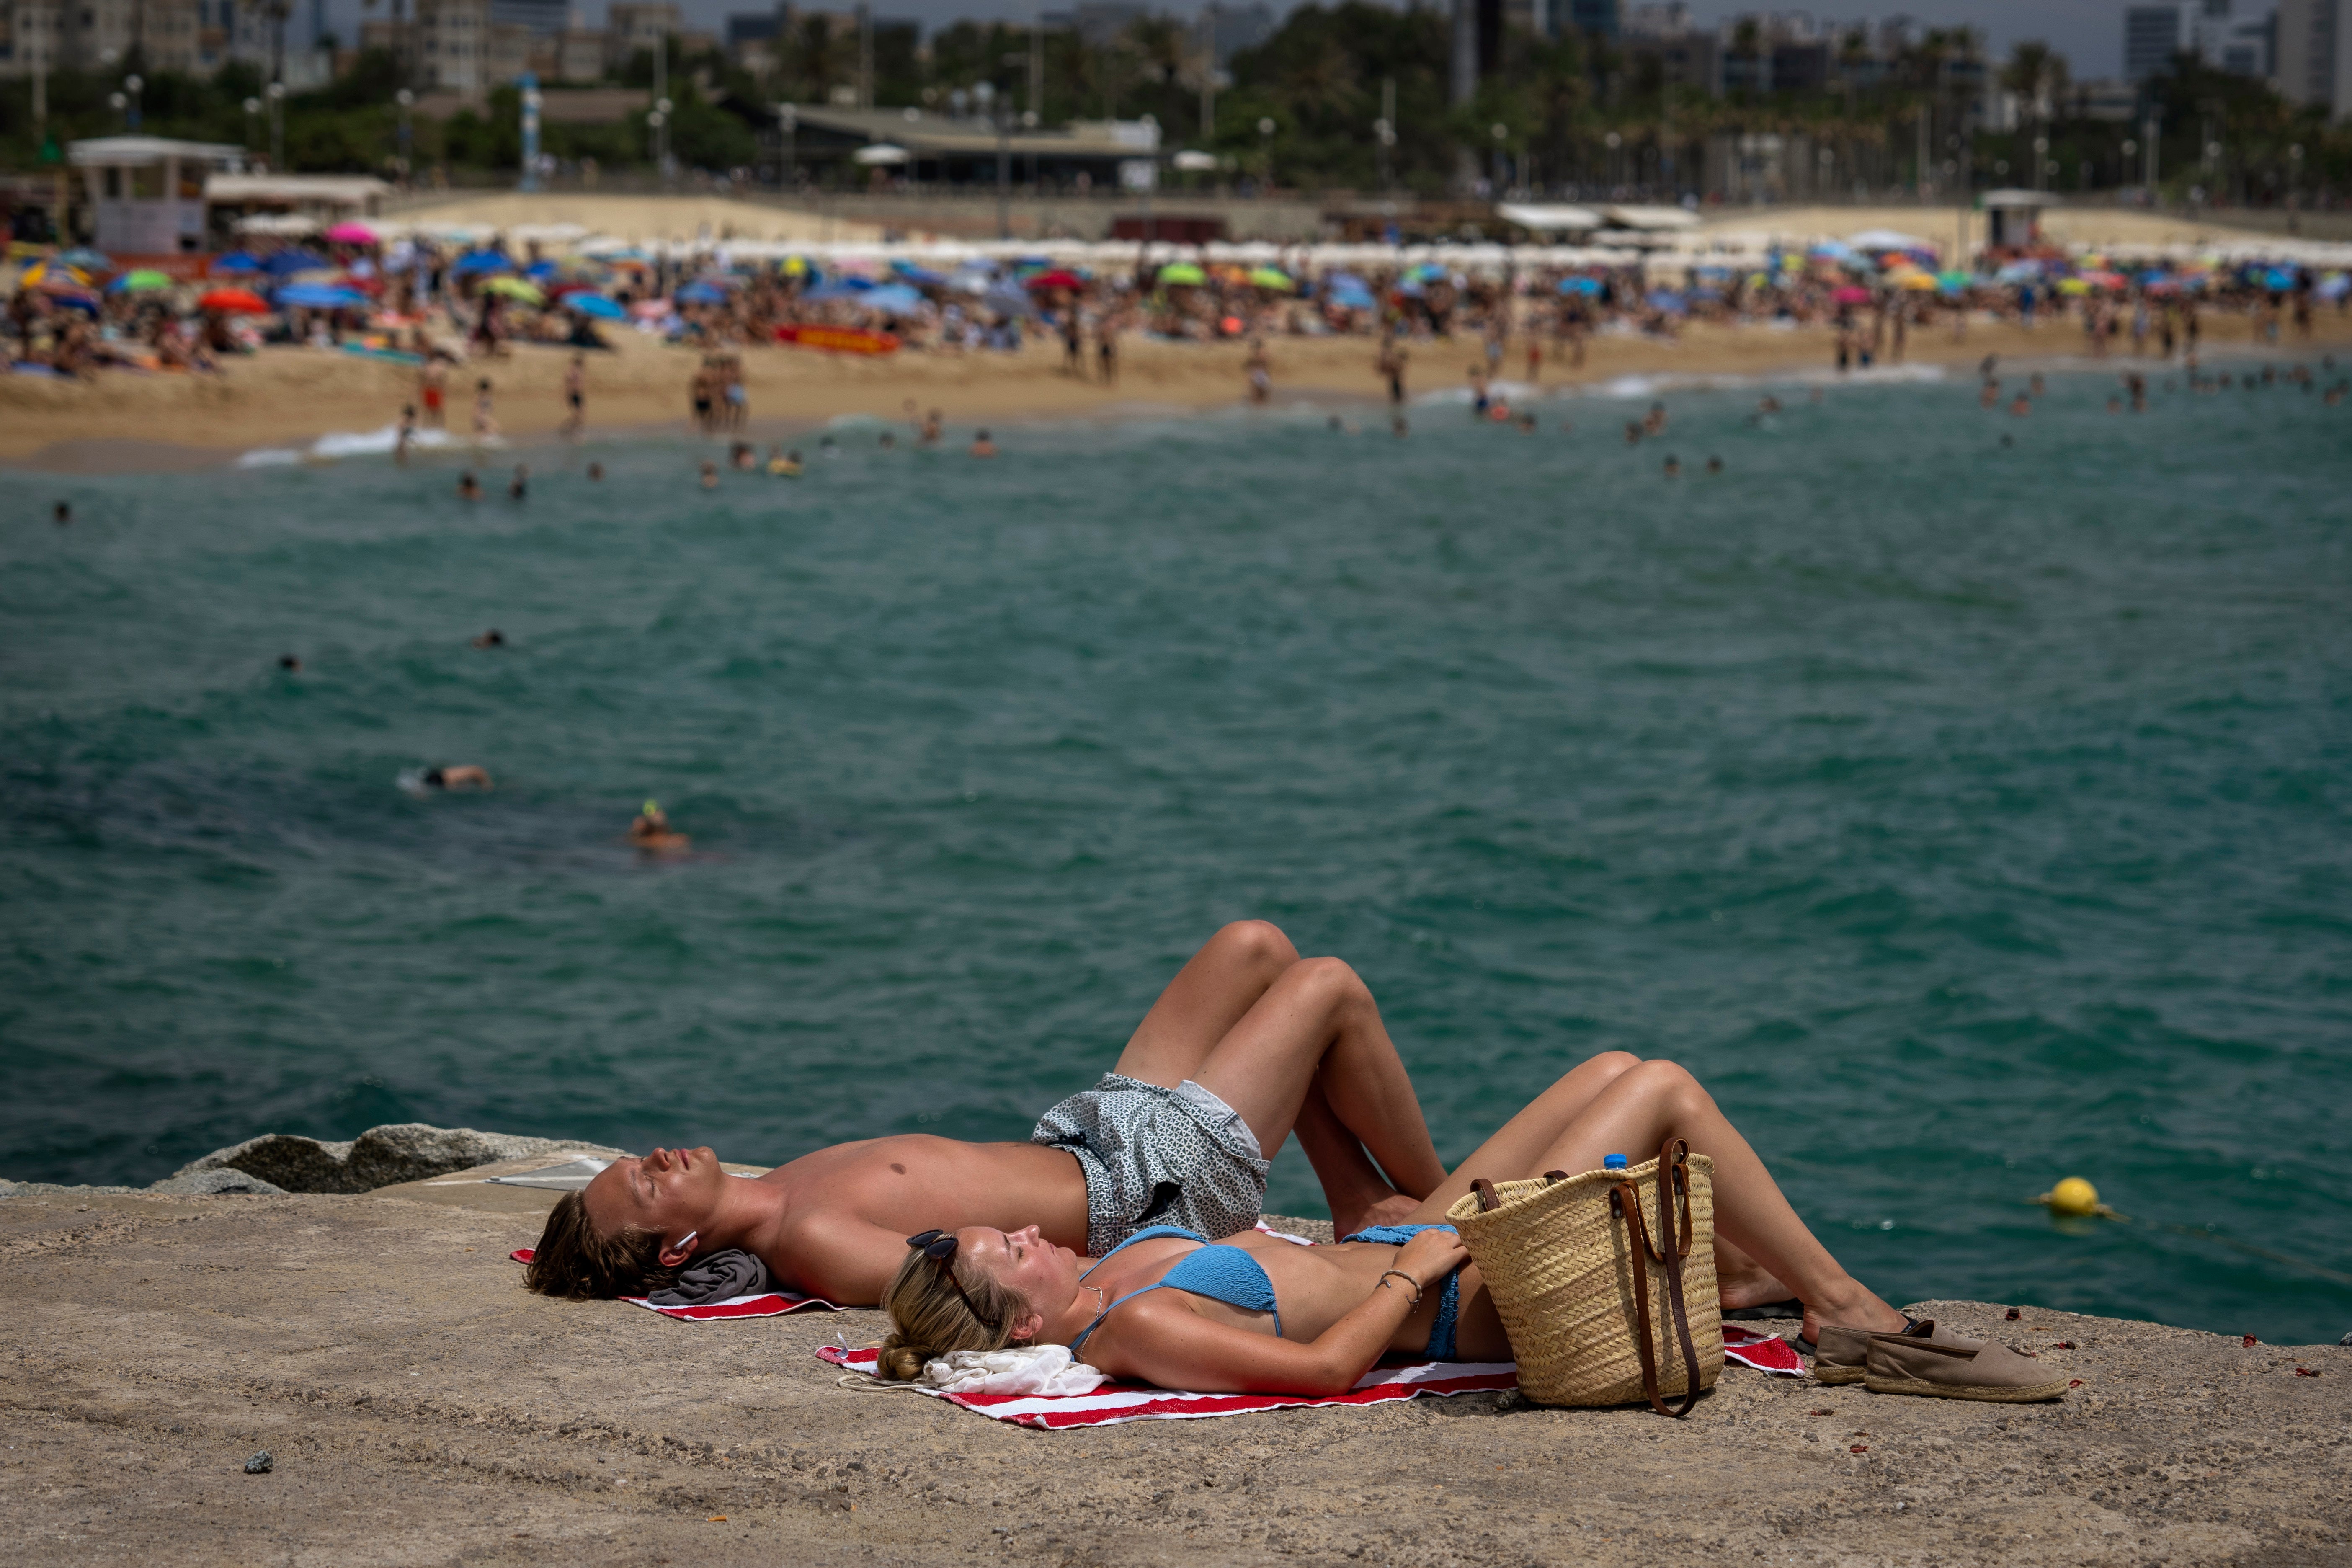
x=419 y=1407
x=286 y=399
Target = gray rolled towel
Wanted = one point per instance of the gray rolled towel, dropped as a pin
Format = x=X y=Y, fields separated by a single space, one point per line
x=720 y=1277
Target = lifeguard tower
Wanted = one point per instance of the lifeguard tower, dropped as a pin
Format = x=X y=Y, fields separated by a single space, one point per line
x=2013 y=219
x=146 y=194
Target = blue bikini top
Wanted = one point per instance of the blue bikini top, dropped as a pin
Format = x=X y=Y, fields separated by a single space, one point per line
x=1227 y=1274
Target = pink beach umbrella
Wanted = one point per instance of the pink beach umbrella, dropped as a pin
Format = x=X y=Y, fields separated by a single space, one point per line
x=1851 y=295
x=351 y=234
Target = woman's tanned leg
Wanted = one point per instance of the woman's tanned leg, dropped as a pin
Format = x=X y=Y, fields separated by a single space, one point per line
x=1643 y=1106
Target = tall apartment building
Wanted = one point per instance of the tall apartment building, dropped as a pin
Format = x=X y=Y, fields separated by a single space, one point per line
x=634 y=25
x=98 y=35
x=2315 y=54
x=2154 y=33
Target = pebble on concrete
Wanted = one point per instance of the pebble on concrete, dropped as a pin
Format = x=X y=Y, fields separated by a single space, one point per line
x=260 y=1465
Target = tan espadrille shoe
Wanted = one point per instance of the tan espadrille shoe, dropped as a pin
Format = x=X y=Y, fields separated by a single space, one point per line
x=1838 y=1354
x=1900 y=1363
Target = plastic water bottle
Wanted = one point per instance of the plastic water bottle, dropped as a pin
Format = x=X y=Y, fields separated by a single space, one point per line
x=1612 y=1161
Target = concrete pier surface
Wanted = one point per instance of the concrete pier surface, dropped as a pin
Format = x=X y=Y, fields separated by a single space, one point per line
x=420 y=1407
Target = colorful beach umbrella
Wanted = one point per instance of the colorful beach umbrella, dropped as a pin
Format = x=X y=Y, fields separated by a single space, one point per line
x=1059 y=278
x=237 y=261
x=286 y=263
x=521 y=290
x=142 y=280
x=52 y=275
x=1579 y=285
x=1271 y=278
x=1183 y=275
x=702 y=293
x=892 y=299
x=86 y=260
x=350 y=233
x=595 y=306
x=321 y=297
x=234 y=302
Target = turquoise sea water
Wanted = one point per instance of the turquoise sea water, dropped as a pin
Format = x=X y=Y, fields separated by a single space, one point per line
x=1965 y=816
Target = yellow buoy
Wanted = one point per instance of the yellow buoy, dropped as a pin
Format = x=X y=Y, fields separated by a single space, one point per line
x=2078 y=1199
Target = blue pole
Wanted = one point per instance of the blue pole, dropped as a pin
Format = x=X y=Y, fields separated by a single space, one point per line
x=530 y=84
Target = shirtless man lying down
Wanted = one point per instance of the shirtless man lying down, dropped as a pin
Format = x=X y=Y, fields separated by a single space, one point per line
x=1248 y=1044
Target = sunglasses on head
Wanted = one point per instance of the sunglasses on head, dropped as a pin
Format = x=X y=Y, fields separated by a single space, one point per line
x=940 y=1246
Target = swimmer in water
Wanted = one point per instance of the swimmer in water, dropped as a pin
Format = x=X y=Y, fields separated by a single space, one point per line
x=2034 y=386
x=981 y=447
x=1632 y=432
x=738 y=455
x=1655 y=425
x=1673 y=467
x=1714 y=465
x=826 y=447
x=890 y=442
x=1988 y=394
x=596 y=472
x=935 y=424
x=465 y=776
x=651 y=831
x=1526 y=423
x=709 y=475
x=2020 y=407
x=519 y=489
x=491 y=638
x=783 y=465
x=468 y=487
x=2114 y=405
x=62 y=513
x=1768 y=404
x=290 y=664
x=1399 y=429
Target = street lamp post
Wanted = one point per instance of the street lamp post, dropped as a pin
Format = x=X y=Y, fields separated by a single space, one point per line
x=2040 y=153
x=1500 y=133
x=1266 y=148
x=120 y=105
x=252 y=109
x=2293 y=170
x=407 y=101
x=788 y=120
x=133 y=84
x=277 y=127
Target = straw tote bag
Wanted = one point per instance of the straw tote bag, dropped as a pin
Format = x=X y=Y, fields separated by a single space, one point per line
x=1605 y=1282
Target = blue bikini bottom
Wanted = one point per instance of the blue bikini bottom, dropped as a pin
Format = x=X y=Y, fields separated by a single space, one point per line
x=1449 y=1296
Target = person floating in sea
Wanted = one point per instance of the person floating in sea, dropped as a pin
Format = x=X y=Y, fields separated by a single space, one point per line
x=935 y=424
x=783 y=465
x=651 y=831
x=1399 y=429
x=575 y=396
x=890 y=442
x=464 y=775
x=1988 y=394
x=2020 y=407
x=1656 y=424
x=596 y=472
x=1714 y=465
x=491 y=638
x=519 y=488
x=981 y=447
x=62 y=514
x=739 y=456
x=1632 y=432
x=290 y=664
x=1673 y=467
x=468 y=487
x=709 y=475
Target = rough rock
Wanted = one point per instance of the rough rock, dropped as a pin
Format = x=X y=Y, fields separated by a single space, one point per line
x=199 y=1184
x=261 y=1464
x=429 y=1410
x=379 y=1157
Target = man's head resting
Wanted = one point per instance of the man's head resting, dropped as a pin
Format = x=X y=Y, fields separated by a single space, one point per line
x=631 y=1230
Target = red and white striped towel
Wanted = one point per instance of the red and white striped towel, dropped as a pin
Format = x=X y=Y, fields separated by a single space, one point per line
x=1117 y=1402
x=767 y=1304
x=1764 y=1352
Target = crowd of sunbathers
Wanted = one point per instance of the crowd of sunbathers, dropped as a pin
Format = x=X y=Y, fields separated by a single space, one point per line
x=1124 y=1227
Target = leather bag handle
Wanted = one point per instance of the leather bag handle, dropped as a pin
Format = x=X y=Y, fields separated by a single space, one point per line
x=1489 y=1200
x=1625 y=1202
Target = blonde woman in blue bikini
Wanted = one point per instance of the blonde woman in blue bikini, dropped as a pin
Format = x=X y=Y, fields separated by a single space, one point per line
x=1256 y=1314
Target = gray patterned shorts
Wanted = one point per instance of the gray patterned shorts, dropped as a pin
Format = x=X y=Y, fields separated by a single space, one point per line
x=1158 y=1156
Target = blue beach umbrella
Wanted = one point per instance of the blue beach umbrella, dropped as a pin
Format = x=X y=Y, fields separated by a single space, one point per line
x=282 y=263
x=321 y=297
x=595 y=306
x=701 y=293
x=922 y=276
x=237 y=261
x=475 y=261
x=1579 y=285
x=1666 y=299
x=1351 y=294
x=86 y=258
x=892 y=299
